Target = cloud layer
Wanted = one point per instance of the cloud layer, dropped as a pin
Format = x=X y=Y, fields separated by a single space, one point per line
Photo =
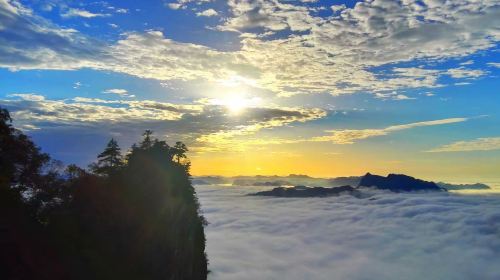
x=391 y=236
x=336 y=53
x=205 y=127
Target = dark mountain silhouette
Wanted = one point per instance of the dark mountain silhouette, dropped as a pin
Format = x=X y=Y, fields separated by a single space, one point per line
x=200 y=182
x=290 y=180
x=211 y=180
x=272 y=183
x=133 y=217
x=303 y=191
x=393 y=182
x=345 y=181
x=398 y=183
x=476 y=186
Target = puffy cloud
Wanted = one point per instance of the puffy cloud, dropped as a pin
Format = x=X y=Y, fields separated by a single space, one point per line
x=181 y=4
x=336 y=53
x=165 y=59
x=30 y=42
x=388 y=236
x=37 y=110
x=269 y=15
x=349 y=136
x=122 y=11
x=461 y=72
x=207 y=13
x=480 y=144
x=338 y=8
x=393 y=95
x=403 y=97
x=174 y=6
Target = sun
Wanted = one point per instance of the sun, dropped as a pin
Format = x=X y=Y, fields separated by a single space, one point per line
x=236 y=103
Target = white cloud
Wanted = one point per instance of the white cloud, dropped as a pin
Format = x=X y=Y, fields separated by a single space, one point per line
x=349 y=136
x=494 y=64
x=393 y=95
x=122 y=11
x=334 y=54
x=338 y=8
x=403 y=97
x=230 y=139
x=28 y=96
x=72 y=12
x=461 y=72
x=174 y=6
x=181 y=4
x=160 y=60
x=468 y=62
x=207 y=13
x=34 y=109
x=390 y=236
x=28 y=127
x=480 y=144
x=118 y=91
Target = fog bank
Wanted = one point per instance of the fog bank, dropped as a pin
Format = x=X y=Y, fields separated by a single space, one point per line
x=389 y=236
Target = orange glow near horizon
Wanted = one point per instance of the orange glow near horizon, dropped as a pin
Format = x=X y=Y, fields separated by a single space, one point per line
x=327 y=166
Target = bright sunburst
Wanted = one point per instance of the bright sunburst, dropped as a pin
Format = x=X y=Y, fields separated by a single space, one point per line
x=237 y=103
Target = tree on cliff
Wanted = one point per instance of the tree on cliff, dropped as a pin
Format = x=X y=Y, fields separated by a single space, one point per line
x=139 y=221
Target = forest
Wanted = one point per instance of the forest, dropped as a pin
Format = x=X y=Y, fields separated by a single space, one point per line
x=130 y=215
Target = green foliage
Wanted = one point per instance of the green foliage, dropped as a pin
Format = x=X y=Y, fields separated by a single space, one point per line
x=133 y=219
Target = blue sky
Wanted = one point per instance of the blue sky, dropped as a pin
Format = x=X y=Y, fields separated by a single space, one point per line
x=262 y=86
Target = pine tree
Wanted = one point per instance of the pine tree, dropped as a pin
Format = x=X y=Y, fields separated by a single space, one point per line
x=180 y=150
x=147 y=142
x=109 y=160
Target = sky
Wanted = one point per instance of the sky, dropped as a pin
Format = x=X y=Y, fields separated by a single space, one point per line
x=324 y=88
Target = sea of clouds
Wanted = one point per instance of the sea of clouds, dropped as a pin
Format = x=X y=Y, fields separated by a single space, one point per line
x=387 y=236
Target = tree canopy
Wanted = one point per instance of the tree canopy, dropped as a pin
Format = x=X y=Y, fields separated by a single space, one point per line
x=132 y=217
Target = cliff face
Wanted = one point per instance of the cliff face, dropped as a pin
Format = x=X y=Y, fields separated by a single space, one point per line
x=398 y=183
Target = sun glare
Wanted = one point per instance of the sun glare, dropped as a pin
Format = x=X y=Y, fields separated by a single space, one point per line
x=237 y=103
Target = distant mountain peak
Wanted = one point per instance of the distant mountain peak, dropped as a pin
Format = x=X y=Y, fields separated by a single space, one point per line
x=398 y=183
